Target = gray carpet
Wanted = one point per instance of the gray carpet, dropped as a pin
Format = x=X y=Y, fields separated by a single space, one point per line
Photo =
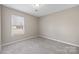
x=39 y=46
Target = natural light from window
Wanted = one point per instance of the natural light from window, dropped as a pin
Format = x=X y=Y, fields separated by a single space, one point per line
x=17 y=25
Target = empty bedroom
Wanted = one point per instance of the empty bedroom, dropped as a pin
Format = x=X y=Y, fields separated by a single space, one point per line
x=39 y=29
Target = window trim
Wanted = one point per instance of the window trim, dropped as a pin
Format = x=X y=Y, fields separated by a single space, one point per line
x=23 y=25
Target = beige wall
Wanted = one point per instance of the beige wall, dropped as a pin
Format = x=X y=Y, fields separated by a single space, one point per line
x=0 y=28
x=30 y=25
x=63 y=26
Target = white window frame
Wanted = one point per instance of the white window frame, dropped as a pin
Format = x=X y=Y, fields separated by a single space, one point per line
x=16 y=16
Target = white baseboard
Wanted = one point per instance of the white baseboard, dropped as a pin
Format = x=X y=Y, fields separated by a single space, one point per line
x=47 y=37
x=18 y=40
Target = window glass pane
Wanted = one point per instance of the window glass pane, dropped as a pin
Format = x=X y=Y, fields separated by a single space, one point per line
x=17 y=25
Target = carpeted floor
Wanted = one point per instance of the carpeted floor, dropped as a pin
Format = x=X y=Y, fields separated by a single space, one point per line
x=39 y=46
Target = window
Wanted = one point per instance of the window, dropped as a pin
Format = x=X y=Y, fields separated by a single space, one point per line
x=17 y=25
